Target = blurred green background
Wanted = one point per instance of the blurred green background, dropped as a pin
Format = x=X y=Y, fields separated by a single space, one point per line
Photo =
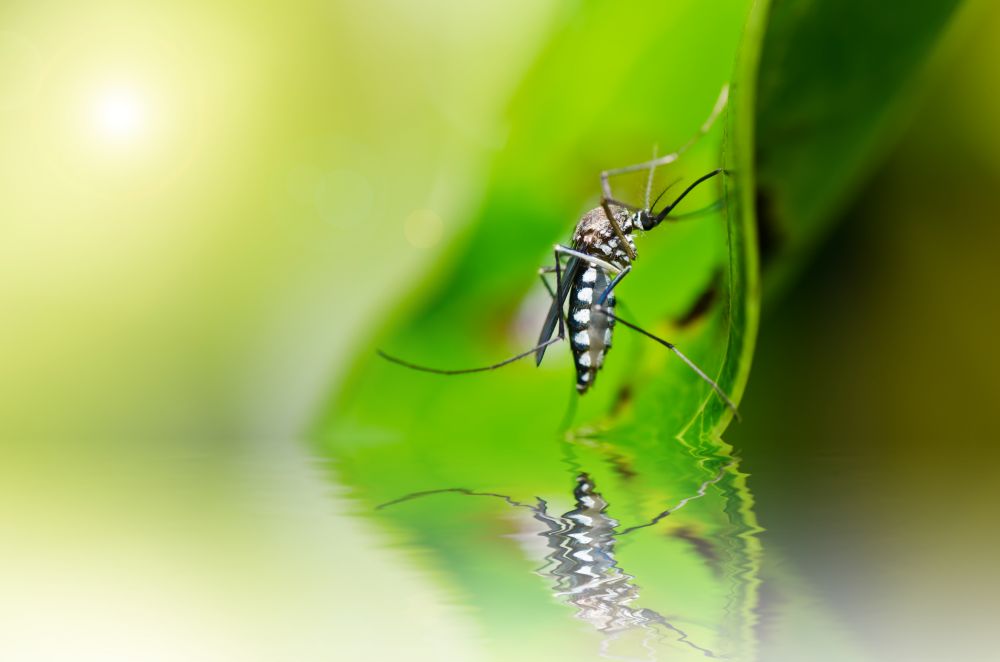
x=207 y=208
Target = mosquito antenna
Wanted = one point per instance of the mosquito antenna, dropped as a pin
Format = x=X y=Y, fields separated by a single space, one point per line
x=673 y=348
x=672 y=184
x=662 y=214
x=438 y=371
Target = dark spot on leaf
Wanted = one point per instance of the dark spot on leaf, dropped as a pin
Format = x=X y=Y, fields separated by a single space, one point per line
x=622 y=466
x=770 y=238
x=704 y=548
x=622 y=399
x=702 y=304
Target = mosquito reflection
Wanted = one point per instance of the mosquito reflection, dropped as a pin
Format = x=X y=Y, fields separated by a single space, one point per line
x=582 y=566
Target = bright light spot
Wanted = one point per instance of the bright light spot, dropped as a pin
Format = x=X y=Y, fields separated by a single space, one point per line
x=119 y=114
x=423 y=228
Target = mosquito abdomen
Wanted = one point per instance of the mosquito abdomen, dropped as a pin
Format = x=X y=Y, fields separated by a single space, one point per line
x=590 y=329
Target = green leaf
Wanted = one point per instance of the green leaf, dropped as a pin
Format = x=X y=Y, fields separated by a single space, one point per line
x=591 y=101
x=836 y=77
x=613 y=80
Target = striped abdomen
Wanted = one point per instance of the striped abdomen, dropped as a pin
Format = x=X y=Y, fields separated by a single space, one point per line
x=589 y=330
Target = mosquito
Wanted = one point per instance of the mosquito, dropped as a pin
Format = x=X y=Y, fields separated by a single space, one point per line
x=600 y=257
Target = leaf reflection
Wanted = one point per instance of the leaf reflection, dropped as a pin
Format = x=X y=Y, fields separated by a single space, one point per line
x=703 y=546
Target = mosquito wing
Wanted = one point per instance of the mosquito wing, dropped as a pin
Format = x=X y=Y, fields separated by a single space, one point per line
x=565 y=283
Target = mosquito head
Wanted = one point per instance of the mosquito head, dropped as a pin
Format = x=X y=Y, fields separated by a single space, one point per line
x=644 y=220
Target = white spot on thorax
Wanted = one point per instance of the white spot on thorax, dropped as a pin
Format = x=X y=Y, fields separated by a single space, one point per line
x=582 y=316
x=585 y=294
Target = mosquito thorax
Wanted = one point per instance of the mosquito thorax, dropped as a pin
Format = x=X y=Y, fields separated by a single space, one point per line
x=596 y=236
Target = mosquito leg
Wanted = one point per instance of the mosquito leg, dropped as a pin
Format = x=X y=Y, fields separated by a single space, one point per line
x=555 y=299
x=673 y=348
x=607 y=266
x=619 y=203
x=617 y=228
x=541 y=274
x=550 y=270
x=606 y=203
x=421 y=368
x=613 y=284
x=720 y=104
x=557 y=270
x=542 y=345
x=556 y=314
